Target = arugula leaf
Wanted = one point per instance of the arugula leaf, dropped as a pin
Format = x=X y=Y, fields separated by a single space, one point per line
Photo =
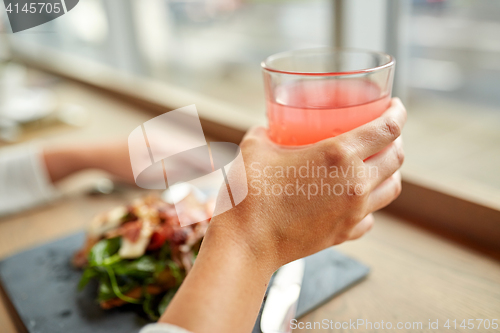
x=105 y=290
x=109 y=288
x=116 y=288
x=165 y=251
x=175 y=270
x=165 y=301
x=141 y=268
x=102 y=250
x=149 y=305
x=112 y=260
x=87 y=275
x=118 y=276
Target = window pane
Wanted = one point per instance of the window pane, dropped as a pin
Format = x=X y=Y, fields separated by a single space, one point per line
x=454 y=82
x=213 y=47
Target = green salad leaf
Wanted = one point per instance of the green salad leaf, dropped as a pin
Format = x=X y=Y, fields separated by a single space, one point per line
x=105 y=290
x=175 y=271
x=150 y=306
x=118 y=276
x=103 y=250
x=88 y=274
x=141 y=268
x=119 y=291
x=165 y=301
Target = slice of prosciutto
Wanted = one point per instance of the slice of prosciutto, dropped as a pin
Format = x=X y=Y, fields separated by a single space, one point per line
x=136 y=238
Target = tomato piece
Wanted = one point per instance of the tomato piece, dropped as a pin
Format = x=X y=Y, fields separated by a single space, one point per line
x=157 y=241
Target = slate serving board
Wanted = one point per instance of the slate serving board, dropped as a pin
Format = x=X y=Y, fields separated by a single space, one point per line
x=41 y=285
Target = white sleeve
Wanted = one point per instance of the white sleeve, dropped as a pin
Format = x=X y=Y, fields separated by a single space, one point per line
x=24 y=181
x=163 y=328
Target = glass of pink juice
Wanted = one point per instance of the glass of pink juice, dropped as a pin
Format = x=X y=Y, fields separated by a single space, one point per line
x=315 y=94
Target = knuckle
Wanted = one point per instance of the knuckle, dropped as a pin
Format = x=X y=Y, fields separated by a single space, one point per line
x=361 y=187
x=335 y=154
x=256 y=131
x=351 y=189
x=392 y=128
x=404 y=111
x=357 y=218
x=352 y=221
x=397 y=189
x=253 y=137
x=248 y=142
x=357 y=190
x=341 y=238
x=369 y=226
x=345 y=153
x=400 y=154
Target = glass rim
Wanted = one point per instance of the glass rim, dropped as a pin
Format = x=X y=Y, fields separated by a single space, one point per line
x=265 y=63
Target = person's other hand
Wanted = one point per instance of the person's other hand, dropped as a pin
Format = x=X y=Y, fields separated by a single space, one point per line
x=112 y=157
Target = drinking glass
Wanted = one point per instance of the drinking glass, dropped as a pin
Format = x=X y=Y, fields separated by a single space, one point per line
x=315 y=94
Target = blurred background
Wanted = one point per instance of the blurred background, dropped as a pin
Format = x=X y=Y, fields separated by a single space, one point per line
x=99 y=71
x=448 y=64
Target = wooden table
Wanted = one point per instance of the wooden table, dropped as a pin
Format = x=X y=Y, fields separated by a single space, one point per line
x=416 y=276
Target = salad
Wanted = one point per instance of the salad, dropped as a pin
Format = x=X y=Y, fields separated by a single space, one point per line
x=140 y=254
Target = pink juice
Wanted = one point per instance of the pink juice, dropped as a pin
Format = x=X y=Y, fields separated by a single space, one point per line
x=309 y=111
